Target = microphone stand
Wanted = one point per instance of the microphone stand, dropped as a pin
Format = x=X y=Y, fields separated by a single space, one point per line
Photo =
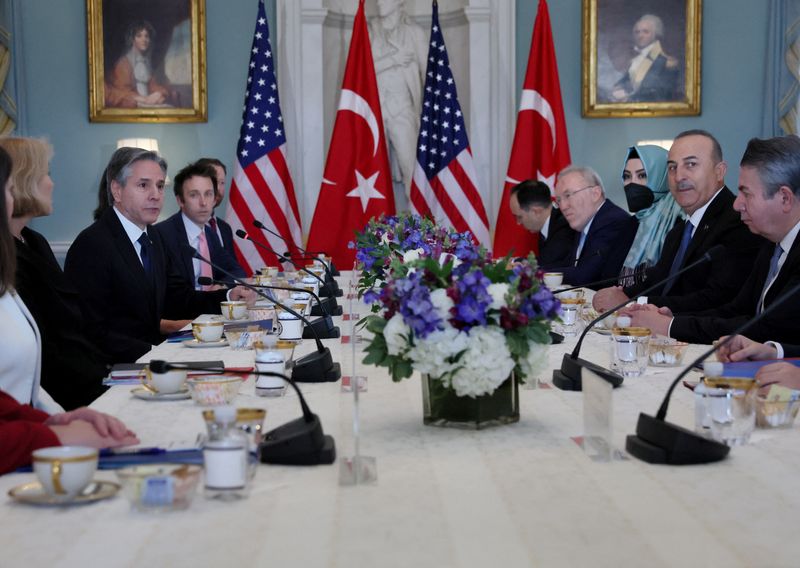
x=316 y=367
x=658 y=441
x=259 y=225
x=568 y=377
x=324 y=326
x=298 y=442
x=332 y=307
x=331 y=286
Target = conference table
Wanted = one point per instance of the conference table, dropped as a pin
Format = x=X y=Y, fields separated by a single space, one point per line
x=519 y=495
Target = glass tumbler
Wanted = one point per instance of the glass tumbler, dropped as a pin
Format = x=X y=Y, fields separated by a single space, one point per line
x=629 y=350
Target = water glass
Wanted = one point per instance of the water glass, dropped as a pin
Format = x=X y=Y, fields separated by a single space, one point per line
x=570 y=315
x=731 y=409
x=629 y=350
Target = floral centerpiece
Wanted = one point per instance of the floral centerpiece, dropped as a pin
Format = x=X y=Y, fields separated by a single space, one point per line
x=472 y=327
x=406 y=236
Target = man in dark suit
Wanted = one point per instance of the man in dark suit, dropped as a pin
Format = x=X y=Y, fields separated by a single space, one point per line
x=195 y=189
x=769 y=204
x=220 y=226
x=532 y=207
x=121 y=269
x=604 y=232
x=696 y=173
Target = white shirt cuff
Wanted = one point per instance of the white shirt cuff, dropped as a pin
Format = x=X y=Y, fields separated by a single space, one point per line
x=778 y=348
x=669 y=327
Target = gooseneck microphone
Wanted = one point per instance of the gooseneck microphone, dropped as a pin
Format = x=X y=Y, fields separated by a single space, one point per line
x=568 y=377
x=323 y=327
x=658 y=441
x=298 y=442
x=316 y=367
x=259 y=225
x=331 y=306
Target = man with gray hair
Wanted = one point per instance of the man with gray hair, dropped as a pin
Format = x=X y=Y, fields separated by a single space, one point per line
x=652 y=74
x=128 y=285
x=605 y=231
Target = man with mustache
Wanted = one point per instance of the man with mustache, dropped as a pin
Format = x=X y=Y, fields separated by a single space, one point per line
x=696 y=174
x=769 y=204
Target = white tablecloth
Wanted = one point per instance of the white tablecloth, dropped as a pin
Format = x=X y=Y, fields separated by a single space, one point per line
x=515 y=496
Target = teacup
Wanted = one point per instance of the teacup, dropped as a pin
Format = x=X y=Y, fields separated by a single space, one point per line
x=207 y=331
x=164 y=383
x=553 y=279
x=65 y=470
x=233 y=309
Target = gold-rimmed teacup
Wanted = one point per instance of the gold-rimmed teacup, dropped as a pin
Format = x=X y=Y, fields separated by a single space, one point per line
x=233 y=309
x=207 y=331
x=64 y=471
x=163 y=383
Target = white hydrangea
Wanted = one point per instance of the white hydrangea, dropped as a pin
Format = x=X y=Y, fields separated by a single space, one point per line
x=396 y=334
x=433 y=354
x=536 y=360
x=412 y=255
x=446 y=256
x=443 y=303
x=498 y=293
x=486 y=364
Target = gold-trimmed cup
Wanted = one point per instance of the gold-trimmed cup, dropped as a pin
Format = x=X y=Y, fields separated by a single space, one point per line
x=64 y=471
x=207 y=331
x=163 y=383
x=233 y=309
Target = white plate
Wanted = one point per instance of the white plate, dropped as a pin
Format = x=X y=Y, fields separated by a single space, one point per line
x=201 y=344
x=34 y=494
x=144 y=394
x=601 y=330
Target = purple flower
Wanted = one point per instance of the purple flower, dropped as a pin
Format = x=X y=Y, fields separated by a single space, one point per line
x=415 y=305
x=371 y=296
x=472 y=298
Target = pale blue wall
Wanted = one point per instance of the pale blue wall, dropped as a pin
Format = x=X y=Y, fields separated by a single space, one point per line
x=734 y=47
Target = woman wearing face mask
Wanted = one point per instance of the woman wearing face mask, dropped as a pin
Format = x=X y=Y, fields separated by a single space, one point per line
x=644 y=177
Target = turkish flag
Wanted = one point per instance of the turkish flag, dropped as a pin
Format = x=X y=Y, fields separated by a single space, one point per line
x=357 y=183
x=540 y=148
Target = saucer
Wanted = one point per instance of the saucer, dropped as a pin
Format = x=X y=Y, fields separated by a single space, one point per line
x=144 y=394
x=34 y=494
x=201 y=344
x=601 y=330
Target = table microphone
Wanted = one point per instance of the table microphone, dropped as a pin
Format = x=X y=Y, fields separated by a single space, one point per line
x=323 y=326
x=658 y=441
x=331 y=286
x=332 y=307
x=568 y=377
x=316 y=367
x=259 y=225
x=299 y=442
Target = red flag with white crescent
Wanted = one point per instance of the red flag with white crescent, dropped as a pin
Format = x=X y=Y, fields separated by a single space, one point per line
x=356 y=185
x=540 y=149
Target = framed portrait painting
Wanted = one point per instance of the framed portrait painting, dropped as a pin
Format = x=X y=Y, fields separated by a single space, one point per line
x=641 y=57
x=147 y=60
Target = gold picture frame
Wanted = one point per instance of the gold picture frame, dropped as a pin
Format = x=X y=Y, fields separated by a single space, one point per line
x=147 y=60
x=637 y=65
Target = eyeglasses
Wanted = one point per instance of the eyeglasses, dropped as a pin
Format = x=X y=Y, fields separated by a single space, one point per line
x=568 y=195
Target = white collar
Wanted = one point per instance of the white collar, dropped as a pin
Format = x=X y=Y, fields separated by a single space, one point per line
x=585 y=230
x=131 y=229
x=697 y=216
x=193 y=230
x=788 y=240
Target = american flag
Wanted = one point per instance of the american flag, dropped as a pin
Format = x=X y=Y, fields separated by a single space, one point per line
x=445 y=183
x=262 y=186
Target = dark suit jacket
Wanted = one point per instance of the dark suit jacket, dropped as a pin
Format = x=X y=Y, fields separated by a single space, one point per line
x=173 y=234
x=555 y=251
x=713 y=283
x=790 y=350
x=781 y=325
x=659 y=84
x=72 y=366
x=122 y=305
x=606 y=246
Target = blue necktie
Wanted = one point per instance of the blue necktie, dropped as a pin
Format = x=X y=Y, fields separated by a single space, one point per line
x=773 y=272
x=679 y=256
x=212 y=238
x=144 y=241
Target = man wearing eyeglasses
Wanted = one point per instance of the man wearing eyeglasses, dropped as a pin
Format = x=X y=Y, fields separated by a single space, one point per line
x=605 y=231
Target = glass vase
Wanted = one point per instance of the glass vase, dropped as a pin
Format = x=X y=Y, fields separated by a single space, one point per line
x=442 y=407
